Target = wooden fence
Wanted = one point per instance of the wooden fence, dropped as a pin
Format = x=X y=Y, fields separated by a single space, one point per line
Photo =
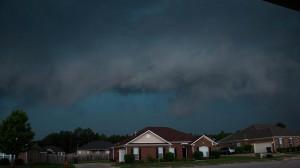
x=37 y=157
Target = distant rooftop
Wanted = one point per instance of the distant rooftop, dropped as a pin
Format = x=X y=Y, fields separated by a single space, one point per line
x=96 y=145
x=259 y=131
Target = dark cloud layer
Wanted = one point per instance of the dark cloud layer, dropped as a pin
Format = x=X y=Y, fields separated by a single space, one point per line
x=60 y=52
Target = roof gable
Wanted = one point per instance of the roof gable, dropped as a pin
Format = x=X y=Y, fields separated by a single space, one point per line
x=171 y=134
x=148 y=137
x=205 y=137
x=166 y=133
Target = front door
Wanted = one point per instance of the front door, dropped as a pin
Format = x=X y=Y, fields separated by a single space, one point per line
x=184 y=152
x=121 y=155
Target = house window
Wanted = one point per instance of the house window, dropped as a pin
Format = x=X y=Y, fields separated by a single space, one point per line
x=238 y=144
x=290 y=141
x=172 y=150
x=136 y=153
x=280 y=141
x=160 y=152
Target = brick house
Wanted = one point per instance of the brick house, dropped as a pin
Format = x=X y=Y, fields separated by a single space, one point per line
x=154 y=142
x=263 y=137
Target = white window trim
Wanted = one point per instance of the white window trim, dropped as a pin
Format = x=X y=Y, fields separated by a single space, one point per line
x=136 y=153
x=160 y=152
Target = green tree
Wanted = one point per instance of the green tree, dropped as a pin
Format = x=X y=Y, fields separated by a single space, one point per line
x=15 y=133
x=280 y=124
x=221 y=135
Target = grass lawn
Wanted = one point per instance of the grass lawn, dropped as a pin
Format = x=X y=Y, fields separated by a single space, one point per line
x=40 y=166
x=222 y=160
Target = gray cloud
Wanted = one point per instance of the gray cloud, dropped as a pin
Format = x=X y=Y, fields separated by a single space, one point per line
x=60 y=52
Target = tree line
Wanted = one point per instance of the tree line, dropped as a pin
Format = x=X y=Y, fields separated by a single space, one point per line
x=16 y=136
x=69 y=141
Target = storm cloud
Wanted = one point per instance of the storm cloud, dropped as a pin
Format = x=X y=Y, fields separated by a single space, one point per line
x=61 y=52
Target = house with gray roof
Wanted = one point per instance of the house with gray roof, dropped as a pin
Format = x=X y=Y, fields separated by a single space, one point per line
x=95 y=148
x=263 y=137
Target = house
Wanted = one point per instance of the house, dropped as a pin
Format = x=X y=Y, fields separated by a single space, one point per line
x=263 y=137
x=31 y=155
x=51 y=149
x=94 y=148
x=154 y=142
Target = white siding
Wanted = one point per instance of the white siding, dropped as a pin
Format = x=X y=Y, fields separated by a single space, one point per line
x=148 y=138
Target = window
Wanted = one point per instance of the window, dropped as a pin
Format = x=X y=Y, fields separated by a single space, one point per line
x=172 y=150
x=136 y=153
x=290 y=142
x=160 y=152
x=238 y=144
x=280 y=141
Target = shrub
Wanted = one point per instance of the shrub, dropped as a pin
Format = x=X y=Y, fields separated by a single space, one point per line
x=198 y=155
x=150 y=159
x=129 y=158
x=169 y=157
x=19 y=162
x=289 y=149
x=244 y=149
x=214 y=155
x=4 y=161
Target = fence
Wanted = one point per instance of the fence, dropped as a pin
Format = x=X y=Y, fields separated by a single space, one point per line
x=6 y=156
x=37 y=157
x=93 y=157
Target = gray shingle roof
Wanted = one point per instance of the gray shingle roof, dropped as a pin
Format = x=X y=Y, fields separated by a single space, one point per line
x=258 y=131
x=96 y=145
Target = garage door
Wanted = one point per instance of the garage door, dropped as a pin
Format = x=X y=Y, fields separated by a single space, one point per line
x=204 y=150
x=262 y=147
x=121 y=155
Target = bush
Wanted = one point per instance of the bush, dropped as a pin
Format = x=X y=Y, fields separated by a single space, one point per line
x=169 y=157
x=198 y=155
x=289 y=149
x=150 y=159
x=214 y=155
x=129 y=158
x=19 y=162
x=4 y=161
x=244 y=149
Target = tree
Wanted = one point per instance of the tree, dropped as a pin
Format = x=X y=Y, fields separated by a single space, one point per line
x=15 y=133
x=220 y=135
x=280 y=124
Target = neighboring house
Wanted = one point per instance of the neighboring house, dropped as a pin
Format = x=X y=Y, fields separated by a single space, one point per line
x=263 y=137
x=95 y=148
x=54 y=150
x=154 y=142
x=32 y=154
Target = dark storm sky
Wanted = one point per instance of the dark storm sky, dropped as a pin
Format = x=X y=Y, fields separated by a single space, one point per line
x=119 y=65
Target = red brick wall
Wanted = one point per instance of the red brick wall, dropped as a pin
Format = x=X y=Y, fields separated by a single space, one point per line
x=202 y=142
x=285 y=142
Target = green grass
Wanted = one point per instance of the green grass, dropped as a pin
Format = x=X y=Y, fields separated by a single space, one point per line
x=40 y=166
x=190 y=163
x=95 y=161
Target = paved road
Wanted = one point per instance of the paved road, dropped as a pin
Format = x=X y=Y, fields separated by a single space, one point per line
x=273 y=164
